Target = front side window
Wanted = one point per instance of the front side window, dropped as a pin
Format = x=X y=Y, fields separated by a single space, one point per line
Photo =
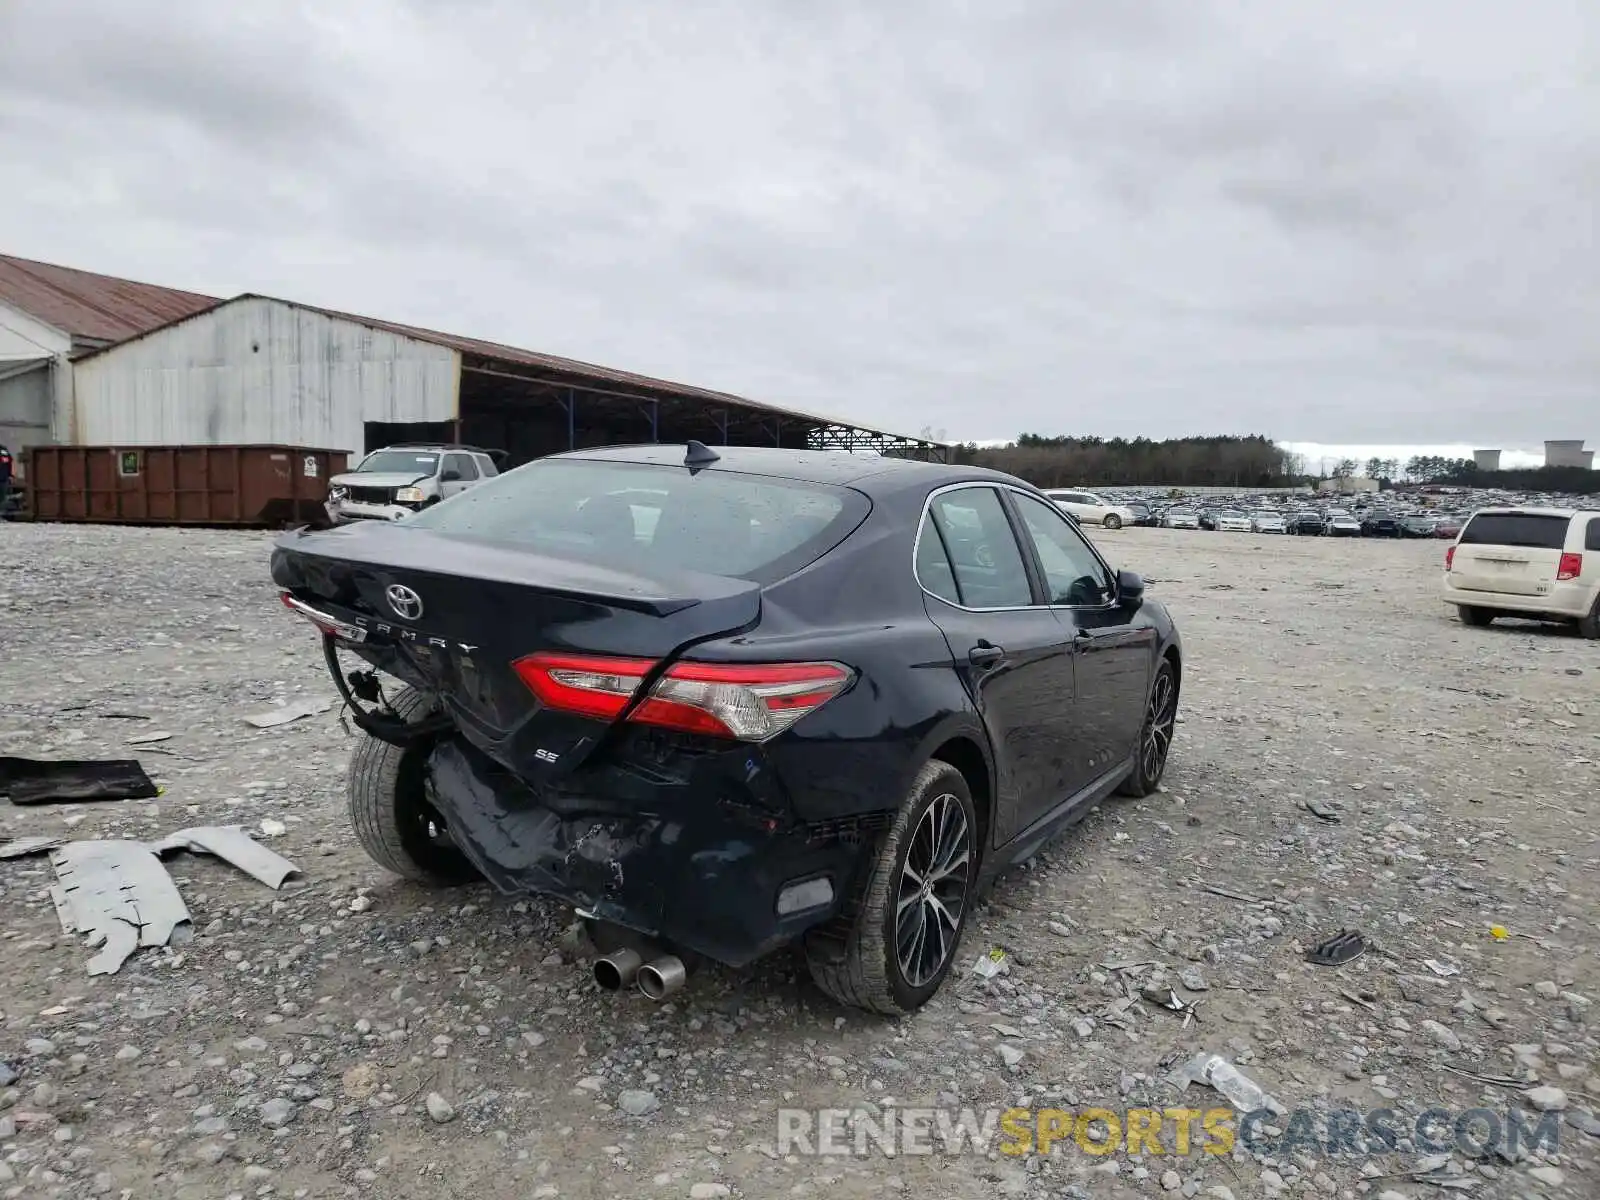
x=1073 y=572
x=984 y=557
x=462 y=465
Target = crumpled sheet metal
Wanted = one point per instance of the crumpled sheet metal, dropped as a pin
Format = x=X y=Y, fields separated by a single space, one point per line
x=119 y=894
x=231 y=844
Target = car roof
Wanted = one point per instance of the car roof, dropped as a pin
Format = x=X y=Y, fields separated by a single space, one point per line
x=1520 y=510
x=867 y=473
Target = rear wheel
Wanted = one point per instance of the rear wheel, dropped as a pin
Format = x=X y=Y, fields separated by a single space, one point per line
x=1155 y=737
x=913 y=907
x=1589 y=626
x=1474 y=616
x=389 y=809
x=1113 y=521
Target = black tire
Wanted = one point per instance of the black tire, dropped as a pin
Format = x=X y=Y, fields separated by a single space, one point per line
x=1478 y=618
x=1155 y=734
x=389 y=809
x=1589 y=626
x=871 y=974
x=1112 y=521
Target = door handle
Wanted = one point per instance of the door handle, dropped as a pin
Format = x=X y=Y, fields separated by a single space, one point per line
x=983 y=654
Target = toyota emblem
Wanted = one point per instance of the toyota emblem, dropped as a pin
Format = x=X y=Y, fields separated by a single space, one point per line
x=406 y=603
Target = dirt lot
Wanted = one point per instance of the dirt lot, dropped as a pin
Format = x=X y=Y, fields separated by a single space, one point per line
x=291 y=1049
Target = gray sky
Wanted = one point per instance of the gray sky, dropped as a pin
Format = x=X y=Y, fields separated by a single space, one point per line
x=1340 y=221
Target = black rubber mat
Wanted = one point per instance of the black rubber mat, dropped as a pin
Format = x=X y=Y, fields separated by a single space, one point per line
x=39 y=781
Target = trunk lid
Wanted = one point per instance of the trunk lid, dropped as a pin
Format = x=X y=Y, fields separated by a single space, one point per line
x=467 y=610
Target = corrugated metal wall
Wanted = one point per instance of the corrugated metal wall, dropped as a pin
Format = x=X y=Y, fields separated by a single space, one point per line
x=25 y=409
x=260 y=372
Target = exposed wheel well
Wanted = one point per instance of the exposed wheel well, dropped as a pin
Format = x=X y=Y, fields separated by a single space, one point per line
x=964 y=755
x=1173 y=657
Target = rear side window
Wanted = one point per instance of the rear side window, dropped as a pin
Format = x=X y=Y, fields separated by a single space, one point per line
x=652 y=517
x=1536 y=531
x=1591 y=536
x=934 y=571
x=984 y=554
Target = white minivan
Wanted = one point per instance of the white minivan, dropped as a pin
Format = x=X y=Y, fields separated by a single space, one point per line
x=1538 y=563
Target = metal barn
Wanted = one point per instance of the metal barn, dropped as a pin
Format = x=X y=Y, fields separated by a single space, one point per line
x=256 y=370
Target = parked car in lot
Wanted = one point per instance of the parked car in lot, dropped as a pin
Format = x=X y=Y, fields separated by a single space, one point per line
x=1341 y=524
x=1447 y=527
x=1091 y=508
x=1142 y=515
x=1232 y=521
x=724 y=701
x=1181 y=518
x=1208 y=519
x=1539 y=563
x=1305 y=523
x=1264 y=521
x=1416 y=526
x=399 y=480
x=1380 y=523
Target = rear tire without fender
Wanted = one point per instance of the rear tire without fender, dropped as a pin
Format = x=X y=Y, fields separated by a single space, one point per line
x=886 y=968
x=1155 y=734
x=1472 y=615
x=1113 y=521
x=389 y=809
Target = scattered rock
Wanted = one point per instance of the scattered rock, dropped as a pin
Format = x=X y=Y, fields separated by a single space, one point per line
x=1441 y=1034
x=440 y=1110
x=277 y=1112
x=1546 y=1099
x=638 y=1103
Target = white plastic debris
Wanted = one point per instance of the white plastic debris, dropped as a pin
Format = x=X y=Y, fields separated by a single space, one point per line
x=996 y=962
x=1217 y=1072
x=289 y=712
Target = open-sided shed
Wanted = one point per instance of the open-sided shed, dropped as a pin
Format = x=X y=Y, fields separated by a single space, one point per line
x=258 y=370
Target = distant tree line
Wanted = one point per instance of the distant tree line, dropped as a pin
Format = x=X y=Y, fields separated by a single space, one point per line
x=1220 y=461
x=1233 y=461
x=1463 y=472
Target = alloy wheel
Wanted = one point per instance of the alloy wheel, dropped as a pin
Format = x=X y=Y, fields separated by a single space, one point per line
x=1159 y=720
x=933 y=890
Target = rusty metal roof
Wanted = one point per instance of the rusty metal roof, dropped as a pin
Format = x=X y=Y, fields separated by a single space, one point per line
x=90 y=307
x=493 y=351
x=567 y=366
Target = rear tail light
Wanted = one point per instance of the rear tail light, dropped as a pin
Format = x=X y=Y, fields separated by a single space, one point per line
x=588 y=685
x=750 y=702
x=1570 y=567
x=1449 y=556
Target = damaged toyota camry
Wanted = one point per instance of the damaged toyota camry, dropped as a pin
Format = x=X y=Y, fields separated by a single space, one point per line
x=732 y=700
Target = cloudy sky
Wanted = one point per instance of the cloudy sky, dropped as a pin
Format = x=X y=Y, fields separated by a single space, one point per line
x=1330 y=221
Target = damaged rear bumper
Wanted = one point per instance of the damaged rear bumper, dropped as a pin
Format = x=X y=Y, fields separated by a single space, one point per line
x=725 y=881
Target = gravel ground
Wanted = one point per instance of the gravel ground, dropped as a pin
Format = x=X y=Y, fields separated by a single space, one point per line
x=353 y=1035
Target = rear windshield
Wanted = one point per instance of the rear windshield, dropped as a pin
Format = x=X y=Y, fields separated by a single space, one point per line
x=642 y=516
x=1534 y=530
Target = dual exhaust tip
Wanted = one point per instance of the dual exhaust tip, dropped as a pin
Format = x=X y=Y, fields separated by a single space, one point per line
x=656 y=979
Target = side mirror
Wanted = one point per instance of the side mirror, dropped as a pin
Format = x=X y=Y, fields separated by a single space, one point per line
x=450 y=477
x=1130 y=589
